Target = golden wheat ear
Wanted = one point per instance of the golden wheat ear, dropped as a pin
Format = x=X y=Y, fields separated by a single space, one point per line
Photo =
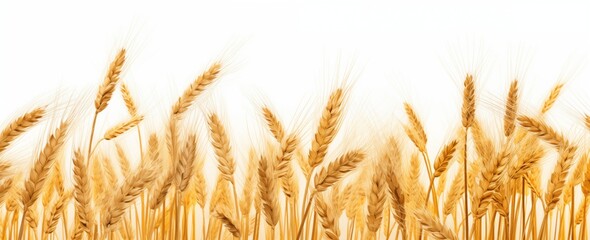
x=267 y=190
x=543 y=131
x=20 y=125
x=327 y=217
x=122 y=127
x=328 y=127
x=82 y=194
x=196 y=88
x=432 y=226
x=552 y=97
x=376 y=200
x=468 y=109
x=222 y=147
x=128 y=192
x=511 y=108
x=107 y=87
x=229 y=222
x=336 y=170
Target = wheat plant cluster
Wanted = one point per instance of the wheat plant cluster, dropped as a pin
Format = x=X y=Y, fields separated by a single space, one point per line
x=290 y=188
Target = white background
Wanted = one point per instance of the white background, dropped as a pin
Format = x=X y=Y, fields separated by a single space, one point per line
x=284 y=51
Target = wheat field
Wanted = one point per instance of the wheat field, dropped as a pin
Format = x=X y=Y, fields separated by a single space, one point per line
x=291 y=188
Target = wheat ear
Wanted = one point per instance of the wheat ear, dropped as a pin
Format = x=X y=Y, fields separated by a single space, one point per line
x=82 y=197
x=249 y=184
x=398 y=197
x=327 y=218
x=415 y=131
x=123 y=160
x=128 y=99
x=553 y=95
x=20 y=125
x=106 y=89
x=5 y=189
x=122 y=127
x=543 y=131
x=490 y=178
x=327 y=129
x=454 y=194
x=184 y=170
x=196 y=88
x=161 y=190
x=376 y=200
x=337 y=169
x=274 y=125
x=511 y=108
x=126 y=195
x=532 y=153
x=431 y=225
x=444 y=158
x=267 y=190
x=468 y=109
x=283 y=162
x=222 y=147
x=34 y=184
x=229 y=222
x=56 y=212
x=558 y=177
x=36 y=180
